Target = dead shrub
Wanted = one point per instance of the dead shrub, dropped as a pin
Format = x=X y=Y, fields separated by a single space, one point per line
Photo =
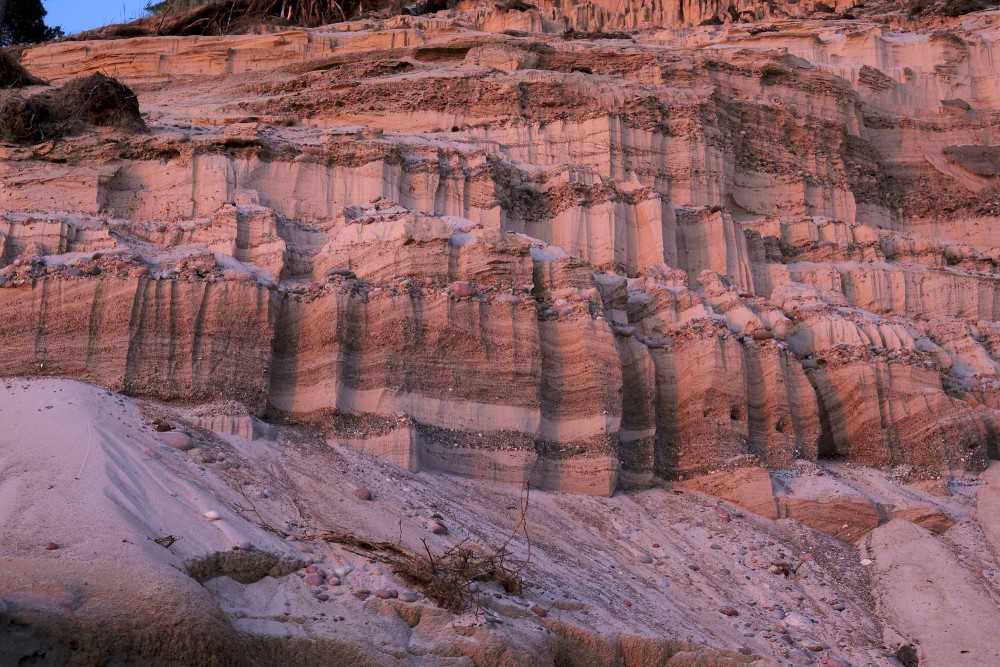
x=97 y=100
x=22 y=119
x=445 y=578
x=227 y=17
x=12 y=75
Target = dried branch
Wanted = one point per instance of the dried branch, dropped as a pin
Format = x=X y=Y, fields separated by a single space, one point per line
x=247 y=512
x=166 y=541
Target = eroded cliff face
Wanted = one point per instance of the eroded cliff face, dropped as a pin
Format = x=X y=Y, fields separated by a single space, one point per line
x=583 y=263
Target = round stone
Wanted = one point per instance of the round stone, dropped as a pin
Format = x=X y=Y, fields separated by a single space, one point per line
x=461 y=288
x=177 y=440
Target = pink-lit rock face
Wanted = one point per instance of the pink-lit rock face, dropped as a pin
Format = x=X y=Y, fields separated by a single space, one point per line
x=647 y=264
x=637 y=333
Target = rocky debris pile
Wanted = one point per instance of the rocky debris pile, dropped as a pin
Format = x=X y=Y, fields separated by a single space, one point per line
x=196 y=268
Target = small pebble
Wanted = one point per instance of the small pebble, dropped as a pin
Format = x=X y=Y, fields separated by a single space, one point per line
x=408 y=596
x=51 y=546
x=363 y=493
x=729 y=611
x=382 y=593
x=212 y=515
x=539 y=611
x=314 y=579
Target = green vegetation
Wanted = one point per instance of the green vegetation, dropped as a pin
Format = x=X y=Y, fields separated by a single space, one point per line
x=23 y=22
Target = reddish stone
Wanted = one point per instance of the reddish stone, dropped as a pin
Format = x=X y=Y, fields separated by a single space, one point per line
x=461 y=288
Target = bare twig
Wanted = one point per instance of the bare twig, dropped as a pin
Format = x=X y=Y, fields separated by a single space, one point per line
x=166 y=541
x=246 y=512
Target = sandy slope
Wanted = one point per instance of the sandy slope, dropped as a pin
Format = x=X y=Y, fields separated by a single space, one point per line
x=933 y=598
x=79 y=470
x=635 y=579
x=109 y=590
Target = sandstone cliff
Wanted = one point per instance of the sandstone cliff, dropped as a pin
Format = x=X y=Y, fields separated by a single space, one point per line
x=743 y=233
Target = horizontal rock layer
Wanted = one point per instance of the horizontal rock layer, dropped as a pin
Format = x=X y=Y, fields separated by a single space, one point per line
x=579 y=263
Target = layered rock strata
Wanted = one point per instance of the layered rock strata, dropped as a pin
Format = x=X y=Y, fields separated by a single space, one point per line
x=581 y=263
